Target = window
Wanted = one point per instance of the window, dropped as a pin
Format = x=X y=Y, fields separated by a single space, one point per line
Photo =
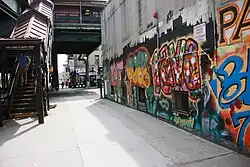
x=97 y=60
x=96 y=14
x=142 y=97
x=181 y=103
x=86 y=12
x=112 y=90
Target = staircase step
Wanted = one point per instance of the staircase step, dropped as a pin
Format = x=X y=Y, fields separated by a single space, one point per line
x=23 y=115
x=24 y=100
x=23 y=109
x=24 y=105
x=28 y=84
x=21 y=96
x=26 y=95
x=26 y=87
x=25 y=92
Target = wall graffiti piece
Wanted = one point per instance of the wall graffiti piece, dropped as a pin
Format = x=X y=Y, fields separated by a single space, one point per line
x=237 y=117
x=137 y=74
x=107 y=77
x=137 y=69
x=233 y=16
x=116 y=70
x=177 y=65
x=233 y=80
x=233 y=87
x=213 y=89
x=116 y=73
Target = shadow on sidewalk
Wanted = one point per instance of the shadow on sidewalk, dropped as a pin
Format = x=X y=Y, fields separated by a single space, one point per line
x=176 y=145
x=11 y=127
x=127 y=132
x=71 y=94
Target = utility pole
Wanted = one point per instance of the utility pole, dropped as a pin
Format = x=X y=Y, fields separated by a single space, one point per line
x=80 y=12
x=99 y=79
x=156 y=16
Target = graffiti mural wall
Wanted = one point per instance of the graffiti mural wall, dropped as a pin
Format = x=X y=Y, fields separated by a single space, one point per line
x=197 y=83
x=232 y=85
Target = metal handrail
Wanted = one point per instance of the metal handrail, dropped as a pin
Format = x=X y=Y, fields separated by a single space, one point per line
x=7 y=100
x=13 y=85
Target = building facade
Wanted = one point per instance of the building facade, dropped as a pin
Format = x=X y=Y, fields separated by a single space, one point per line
x=78 y=61
x=193 y=73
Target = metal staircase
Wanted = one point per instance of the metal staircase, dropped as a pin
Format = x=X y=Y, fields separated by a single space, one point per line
x=34 y=26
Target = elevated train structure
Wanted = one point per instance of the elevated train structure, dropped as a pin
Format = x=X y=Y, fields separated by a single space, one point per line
x=77 y=30
x=41 y=32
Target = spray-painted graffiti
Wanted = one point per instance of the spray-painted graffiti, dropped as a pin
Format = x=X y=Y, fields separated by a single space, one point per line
x=233 y=22
x=137 y=73
x=215 y=87
x=233 y=88
x=137 y=68
x=116 y=70
x=176 y=66
x=116 y=79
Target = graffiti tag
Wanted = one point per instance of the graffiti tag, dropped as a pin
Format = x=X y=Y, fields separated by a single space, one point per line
x=232 y=83
x=137 y=69
x=176 y=65
x=245 y=117
x=231 y=16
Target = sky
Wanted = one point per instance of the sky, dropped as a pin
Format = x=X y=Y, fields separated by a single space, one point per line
x=61 y=59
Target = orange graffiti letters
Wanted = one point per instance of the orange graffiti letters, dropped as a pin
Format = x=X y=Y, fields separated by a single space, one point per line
x=231 y=16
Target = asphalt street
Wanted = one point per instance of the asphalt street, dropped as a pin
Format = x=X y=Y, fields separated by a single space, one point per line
x=85 y=131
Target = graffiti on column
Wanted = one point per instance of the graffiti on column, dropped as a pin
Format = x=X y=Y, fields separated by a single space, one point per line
x=107 y=77
x=116 y=79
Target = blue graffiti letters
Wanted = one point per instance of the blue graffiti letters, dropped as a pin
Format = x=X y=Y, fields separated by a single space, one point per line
x=245 y=116
x=232 y=83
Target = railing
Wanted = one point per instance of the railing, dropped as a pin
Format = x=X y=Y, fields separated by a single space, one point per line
x=6 y=99
x=12 y=86
x=3 y=97
x=76 y=19
x=3 y=106
x=76 y=26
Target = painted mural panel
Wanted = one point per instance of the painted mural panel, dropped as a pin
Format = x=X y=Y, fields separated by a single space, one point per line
x=232 y=71
x=191 y=84
x=183 y=67
x=116 y=69
x=138 y=77
x=106 y=78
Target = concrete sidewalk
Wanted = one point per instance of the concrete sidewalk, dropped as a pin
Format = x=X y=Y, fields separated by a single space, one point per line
x=100 y=133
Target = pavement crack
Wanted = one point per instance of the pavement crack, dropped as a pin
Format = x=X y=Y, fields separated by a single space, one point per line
x=79 y=147
x=207 y=158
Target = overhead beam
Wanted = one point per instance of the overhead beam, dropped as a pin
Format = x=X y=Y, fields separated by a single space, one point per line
x=93 y=3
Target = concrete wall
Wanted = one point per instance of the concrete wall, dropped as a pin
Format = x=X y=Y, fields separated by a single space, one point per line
x=197 y=79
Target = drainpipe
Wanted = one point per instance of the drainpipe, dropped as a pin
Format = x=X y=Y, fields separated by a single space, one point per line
x=215 y=27
x=80 y=12
x=156 y=16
